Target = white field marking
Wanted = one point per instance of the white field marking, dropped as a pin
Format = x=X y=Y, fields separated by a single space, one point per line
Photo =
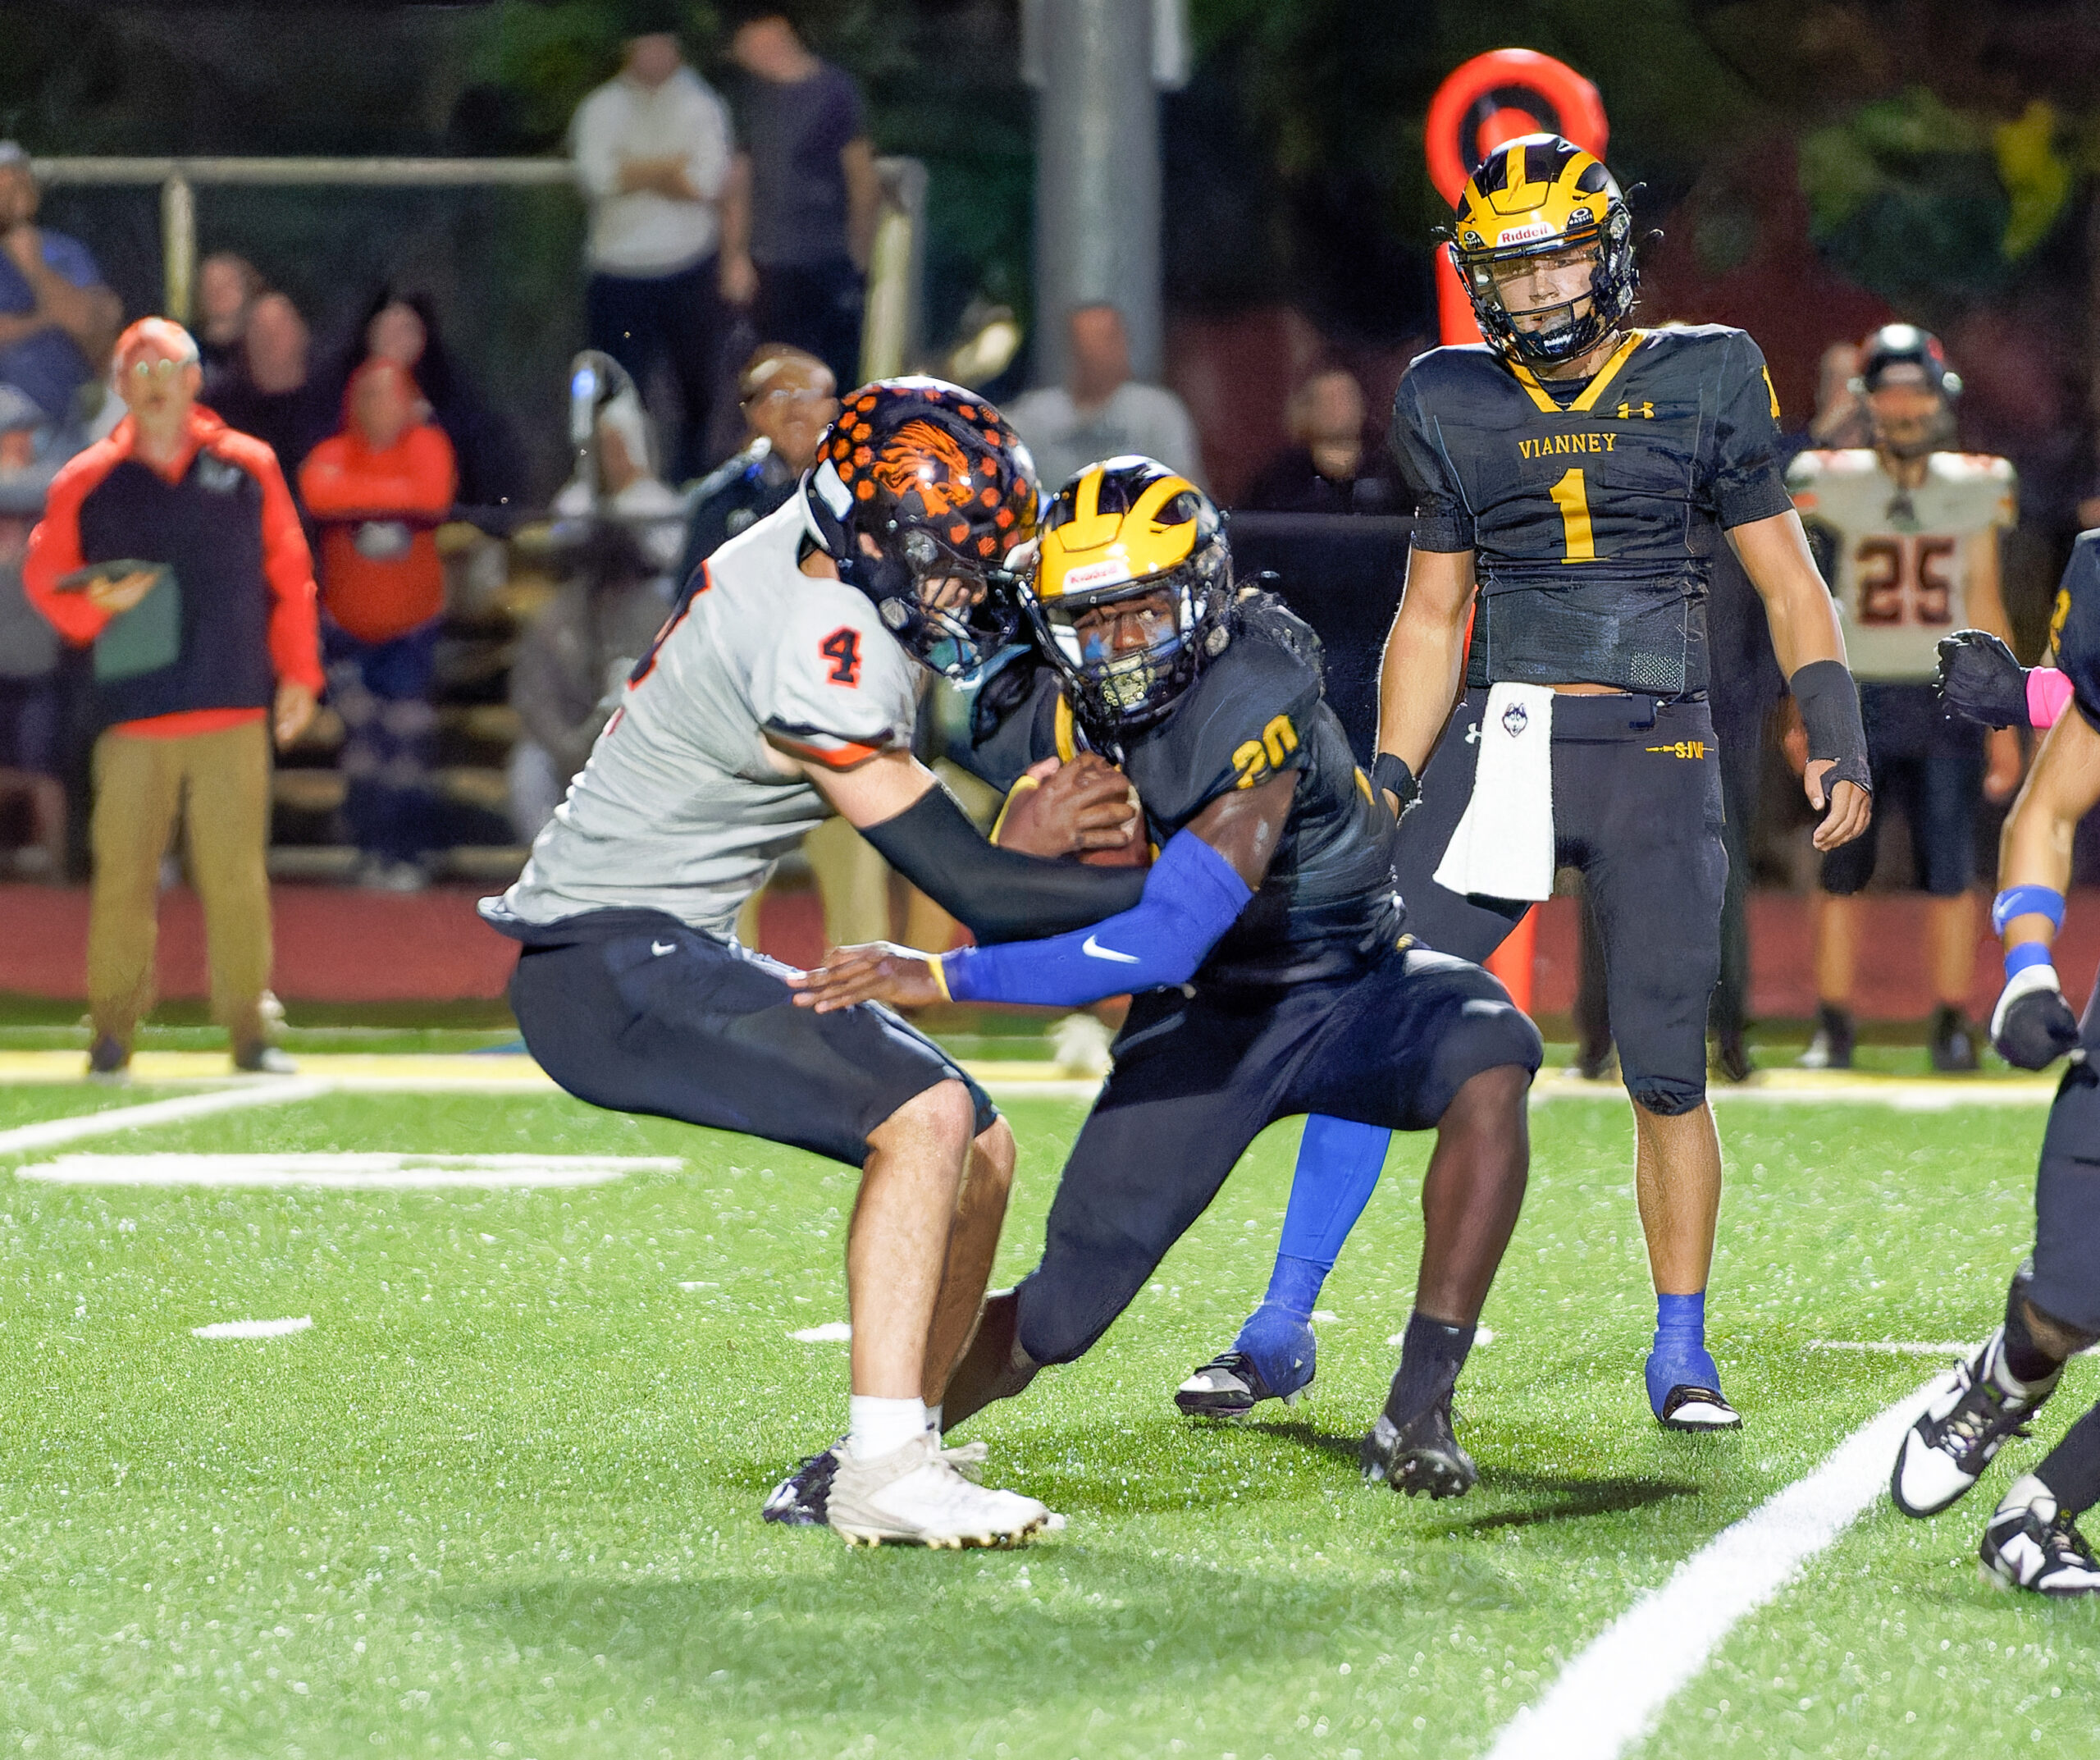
x=53 y=1132
x=1962 y=1348
x=1325 y=1315
x=700 y=1285
x=252 y=1328
x=831 y=1332
x=345 y=1172
x=1612 y=1695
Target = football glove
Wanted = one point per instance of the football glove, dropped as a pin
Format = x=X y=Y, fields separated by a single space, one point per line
x=2033 y=1025
x=1980 y=680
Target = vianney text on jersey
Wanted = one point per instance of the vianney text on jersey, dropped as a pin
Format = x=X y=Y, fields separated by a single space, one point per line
x=1901 y=561
x=1593 y=508
x=683 y=806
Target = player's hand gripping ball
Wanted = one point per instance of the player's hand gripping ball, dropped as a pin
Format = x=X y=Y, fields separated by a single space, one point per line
x=1980 y=679
x=1086 y=808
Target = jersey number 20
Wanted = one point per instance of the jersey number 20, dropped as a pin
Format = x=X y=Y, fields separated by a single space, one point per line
x=1903 y=580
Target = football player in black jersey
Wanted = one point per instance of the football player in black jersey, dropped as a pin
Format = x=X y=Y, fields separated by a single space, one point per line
x=1269 y=973
x=1572 y=478
x=2053 y=1309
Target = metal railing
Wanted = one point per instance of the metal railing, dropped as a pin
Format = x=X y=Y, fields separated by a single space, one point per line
x=891 y=337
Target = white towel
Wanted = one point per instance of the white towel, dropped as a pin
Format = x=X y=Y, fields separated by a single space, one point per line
x=1503 y=847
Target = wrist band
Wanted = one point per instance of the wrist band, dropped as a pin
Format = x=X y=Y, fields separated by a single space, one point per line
x=2027 y=901
x=1390 y=774
x=2025 y=956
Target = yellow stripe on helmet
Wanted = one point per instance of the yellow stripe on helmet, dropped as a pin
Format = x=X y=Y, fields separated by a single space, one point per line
x=1095 y=551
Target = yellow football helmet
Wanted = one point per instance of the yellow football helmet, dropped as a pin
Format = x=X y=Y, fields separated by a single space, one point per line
x=1540 y=195
x=1121 y=531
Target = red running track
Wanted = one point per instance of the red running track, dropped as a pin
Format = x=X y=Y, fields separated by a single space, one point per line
x=348 y=946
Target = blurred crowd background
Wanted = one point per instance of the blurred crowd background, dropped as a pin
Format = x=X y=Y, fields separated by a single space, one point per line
x=1810 y=171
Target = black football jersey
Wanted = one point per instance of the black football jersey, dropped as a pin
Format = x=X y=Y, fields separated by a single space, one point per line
x=2075 y=625
x=1594 y=508
x=1327 y=905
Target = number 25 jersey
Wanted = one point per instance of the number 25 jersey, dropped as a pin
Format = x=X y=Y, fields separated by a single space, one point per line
x=1593 y=508
x=1900 y=562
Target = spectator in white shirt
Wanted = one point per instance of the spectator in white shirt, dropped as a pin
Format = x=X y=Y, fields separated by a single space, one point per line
x=1100 y=412
x=653 y=148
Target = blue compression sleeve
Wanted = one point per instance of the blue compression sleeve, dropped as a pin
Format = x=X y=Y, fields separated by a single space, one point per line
x=1338 y=1167
x=1192 y=896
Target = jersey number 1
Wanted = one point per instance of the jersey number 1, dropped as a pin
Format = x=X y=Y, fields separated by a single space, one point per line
x=1571 y=496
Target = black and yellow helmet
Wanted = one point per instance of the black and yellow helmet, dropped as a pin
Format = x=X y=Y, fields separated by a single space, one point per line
x=1120 y=531
x=1537 y=196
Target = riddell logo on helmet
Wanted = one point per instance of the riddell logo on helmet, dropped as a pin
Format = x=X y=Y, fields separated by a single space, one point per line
x=1525 y=234
x=1111 y=572
x=925 y=459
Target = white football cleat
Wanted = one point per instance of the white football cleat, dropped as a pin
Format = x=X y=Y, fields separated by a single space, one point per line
x=1956 y=1437
x=2032 y=1544
x=914 y=1496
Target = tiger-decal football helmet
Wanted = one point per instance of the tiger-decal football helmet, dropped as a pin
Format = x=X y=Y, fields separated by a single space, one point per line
x=1119 y=531
x=946 y=490
x=1541 y=196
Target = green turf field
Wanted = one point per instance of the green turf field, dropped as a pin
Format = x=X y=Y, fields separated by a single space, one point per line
x=501 y=1498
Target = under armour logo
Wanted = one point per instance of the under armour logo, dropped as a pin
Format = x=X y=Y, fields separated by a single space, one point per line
x=1472 y=734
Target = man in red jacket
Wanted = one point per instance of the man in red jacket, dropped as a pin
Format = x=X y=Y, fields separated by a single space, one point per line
x=173 y=547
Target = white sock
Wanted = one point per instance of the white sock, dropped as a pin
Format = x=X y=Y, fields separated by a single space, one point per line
x=880 y=1427
x=933 y=1419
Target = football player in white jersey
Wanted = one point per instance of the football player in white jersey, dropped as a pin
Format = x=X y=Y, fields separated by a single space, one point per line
x=783 y=688
x=1907 y=533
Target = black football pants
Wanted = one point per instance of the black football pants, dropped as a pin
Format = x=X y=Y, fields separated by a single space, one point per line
x=1637 y=802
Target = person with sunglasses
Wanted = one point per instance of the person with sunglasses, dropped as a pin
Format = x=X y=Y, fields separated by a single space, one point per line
x=173 y=547
x=783 y=689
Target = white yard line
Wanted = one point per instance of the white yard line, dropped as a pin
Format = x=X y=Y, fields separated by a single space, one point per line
x=52 y=1131
x=355 y=1171
x=1612 y=1693
x=1898 y=1346
x=252 y=1328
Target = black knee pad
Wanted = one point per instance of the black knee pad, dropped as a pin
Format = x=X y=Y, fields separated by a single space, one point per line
x=1665 y=1096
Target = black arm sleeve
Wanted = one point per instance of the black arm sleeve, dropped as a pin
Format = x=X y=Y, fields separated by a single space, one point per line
x=1000 y=893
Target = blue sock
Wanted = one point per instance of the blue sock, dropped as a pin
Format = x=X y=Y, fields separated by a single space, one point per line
x=1680 y=1357
x=1339 y=1163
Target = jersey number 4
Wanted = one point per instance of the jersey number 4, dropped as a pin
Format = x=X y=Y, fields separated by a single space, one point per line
x=1903 y=580
x=841 y=647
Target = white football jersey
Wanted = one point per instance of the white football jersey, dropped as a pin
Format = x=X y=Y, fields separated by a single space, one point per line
x=1902 y=577
x=679 y=809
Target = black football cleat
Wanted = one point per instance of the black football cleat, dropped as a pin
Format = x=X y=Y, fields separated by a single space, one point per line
x=1953 y=1043
x=1731 y=1057
x=803 y=1499
x=1229 y=1385
x=1422 y=1455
